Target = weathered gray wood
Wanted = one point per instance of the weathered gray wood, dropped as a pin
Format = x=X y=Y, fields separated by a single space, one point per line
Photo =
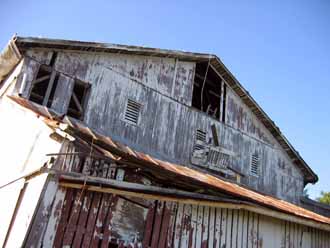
x=76 y=101
x=62 y=94
x=40 y=79
x=164 y=86
x=78 y=177
x=49 y=88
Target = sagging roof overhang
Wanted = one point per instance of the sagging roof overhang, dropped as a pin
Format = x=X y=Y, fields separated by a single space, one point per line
x=9 y=58
x=24 y=43
x=115 y=150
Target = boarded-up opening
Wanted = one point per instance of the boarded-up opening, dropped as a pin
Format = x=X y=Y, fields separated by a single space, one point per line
x=208 y=91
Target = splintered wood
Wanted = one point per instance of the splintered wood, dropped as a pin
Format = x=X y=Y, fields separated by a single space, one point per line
x=84 y=218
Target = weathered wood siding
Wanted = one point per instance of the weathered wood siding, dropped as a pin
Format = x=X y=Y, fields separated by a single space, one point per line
x=167 y=124
x=168 y=224
x=24 y=144
x=82 y=218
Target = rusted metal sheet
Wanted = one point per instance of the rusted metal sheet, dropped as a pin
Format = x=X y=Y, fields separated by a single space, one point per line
x=193 y=175
x=91 y=219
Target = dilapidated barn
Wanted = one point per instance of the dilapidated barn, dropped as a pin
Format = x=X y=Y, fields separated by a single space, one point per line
x=107 y=145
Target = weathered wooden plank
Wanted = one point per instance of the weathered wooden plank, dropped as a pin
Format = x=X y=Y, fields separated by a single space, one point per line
x=71 y=227
x=194 y=220
x=245 y=228
x=239 y=230
x=250 y=230
x=229 y=227
x=68 y=202
x=217 y=229
x=199 y=232
x=107 y=229
x=224 y=214
x=171 y=228
x=178 y=226
x=97 y=215
x=55 y=217
x=157 y=224
x=234 y=232
x=148 y=227
x=83 y=217
x=205 y=231
x=41 y=219
x=212 y=219
x=186 y=235
x=49 y=88
x=165 y=225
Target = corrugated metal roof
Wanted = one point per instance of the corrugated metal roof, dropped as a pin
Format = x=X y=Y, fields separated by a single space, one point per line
x=31 y=42
x=77 y=128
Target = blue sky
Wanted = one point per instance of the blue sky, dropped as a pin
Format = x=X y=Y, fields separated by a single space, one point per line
x=279 y=50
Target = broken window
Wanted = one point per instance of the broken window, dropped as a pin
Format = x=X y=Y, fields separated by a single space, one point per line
x=44 y=90
x=43 y=86
x=78 y=99
x=217 y=158
x=209 y=91
x=132 y=112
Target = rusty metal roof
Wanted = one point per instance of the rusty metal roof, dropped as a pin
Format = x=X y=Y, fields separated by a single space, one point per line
x=77 y=128
x=24 y=43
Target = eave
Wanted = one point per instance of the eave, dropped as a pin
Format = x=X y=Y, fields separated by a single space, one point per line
x=24 y=43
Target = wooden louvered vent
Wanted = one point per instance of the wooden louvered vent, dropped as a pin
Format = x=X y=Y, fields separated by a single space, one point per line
x=255 y=161
x=200 y=140
x=218 y=159
x=132 y=112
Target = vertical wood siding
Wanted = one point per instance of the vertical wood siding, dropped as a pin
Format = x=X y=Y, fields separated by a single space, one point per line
x=177 y=225
x=167 y=123
x=82 y=218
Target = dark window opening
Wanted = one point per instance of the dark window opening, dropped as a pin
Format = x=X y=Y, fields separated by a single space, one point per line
x=42 y=86
x=78 y=99
x=53 y=59
x=207 y=91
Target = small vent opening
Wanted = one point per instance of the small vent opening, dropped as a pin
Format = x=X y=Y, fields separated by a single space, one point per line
x=200 y=140
x=132 y=112
x=255 y=161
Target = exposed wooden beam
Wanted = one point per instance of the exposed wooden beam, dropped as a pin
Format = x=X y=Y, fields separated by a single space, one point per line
x=115 y=184
x=76 y=101
x=207 y=80
x=39 y=80
x=215 y=135
x=49 y=88
x=255 y=209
